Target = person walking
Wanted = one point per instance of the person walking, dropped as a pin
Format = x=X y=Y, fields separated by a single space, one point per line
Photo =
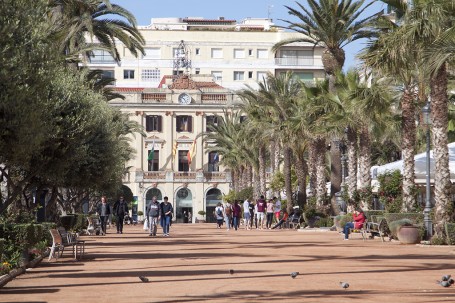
x=120 y=210
x=261 y=205
x=103 y=210
x=270 y=211
x=246 y=213
x=219 y=215
x=166 y=216
x=228 y=215
x=153 y=215
x=236 y=214
x=252 y=214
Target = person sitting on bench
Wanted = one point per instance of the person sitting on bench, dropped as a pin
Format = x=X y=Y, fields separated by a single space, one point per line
x=283 y=219
x=359 y=219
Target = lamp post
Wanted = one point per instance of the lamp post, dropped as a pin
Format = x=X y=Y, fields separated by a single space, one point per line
x=426 y=112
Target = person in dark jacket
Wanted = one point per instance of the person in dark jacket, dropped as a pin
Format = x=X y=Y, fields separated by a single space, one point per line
x=166 y=216
x=103 y=210
x=153 y=215
x=120 y=210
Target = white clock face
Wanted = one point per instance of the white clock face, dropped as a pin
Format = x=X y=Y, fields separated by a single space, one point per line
x=184 y=99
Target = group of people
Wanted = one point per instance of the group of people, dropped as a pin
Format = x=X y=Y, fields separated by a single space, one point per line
x=159 y=212
x=261 y=214
x=120 y=210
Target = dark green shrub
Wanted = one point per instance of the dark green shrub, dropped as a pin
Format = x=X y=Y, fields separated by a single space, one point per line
x=345 y=219
x=80 y=223
x=369 y=213
x=47 y=226
x=438 y=241
x=450 y=233
x=68 y=221
x=324 y=222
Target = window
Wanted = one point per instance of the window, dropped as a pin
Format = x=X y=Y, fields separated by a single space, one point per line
x=305 y=76
x=217 y=76
x=296 y=53
x=183 y=160
x=263 y=53
x=250 y=52
x=217 y=53
x=239 y=76
x=151 y=75
x=178 y=53
x=101 y=56
x=198 y=71
x=213 y=161
x=239 y=53
x=108 y=74
x=261 y=76
x=184 y=124
x=153 y=123
x=198 y=51
x=154 y=165
x=250 y=75
x=210 y=121
x=128 y=74
x=152 y=53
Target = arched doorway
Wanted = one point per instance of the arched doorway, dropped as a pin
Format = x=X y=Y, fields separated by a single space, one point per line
x=212 y=198
x=184 y=205
x=150 y=194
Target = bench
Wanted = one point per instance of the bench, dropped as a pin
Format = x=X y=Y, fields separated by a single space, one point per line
x=362 y=230
x=61 y=239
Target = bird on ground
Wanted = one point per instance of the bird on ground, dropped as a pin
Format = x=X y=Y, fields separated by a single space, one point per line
x=344 y=285
x=445 y=277
x=231 y=271
x=444 y=283
x=294 y=274
x=451 y=281
x=144 y=279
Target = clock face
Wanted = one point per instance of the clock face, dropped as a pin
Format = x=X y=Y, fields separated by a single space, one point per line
x=184 y=98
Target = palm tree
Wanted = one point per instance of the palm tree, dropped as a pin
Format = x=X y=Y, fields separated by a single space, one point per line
x=100 y=21
x=332 y=24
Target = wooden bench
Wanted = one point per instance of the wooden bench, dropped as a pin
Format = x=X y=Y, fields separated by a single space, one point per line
x=61 y=239
x=362 y=230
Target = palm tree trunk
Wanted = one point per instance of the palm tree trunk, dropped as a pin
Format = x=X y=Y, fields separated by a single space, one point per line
x=250 y=176
x=439 y=111
x=352 y=161
x=312 y=157
x=365 y=163
x=256 y=185
x=301 y=170
x=335 y=169
x=321 y=189
x=262 y=179
x=287 y=177
x=408 y=149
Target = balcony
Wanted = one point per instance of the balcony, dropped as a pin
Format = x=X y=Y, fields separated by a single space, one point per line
x=181 y=176
x=295 y=61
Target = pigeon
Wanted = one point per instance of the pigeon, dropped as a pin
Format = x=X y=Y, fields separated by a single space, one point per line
x=445 y=277
x=344 y=285
x=231 y=271
x=451 y=281
x=294 y=274
x=444 y=283
x=143 y=279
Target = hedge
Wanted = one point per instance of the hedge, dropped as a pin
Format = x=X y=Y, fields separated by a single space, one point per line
x=369 y=213
x=416 y=218
x=450 y=232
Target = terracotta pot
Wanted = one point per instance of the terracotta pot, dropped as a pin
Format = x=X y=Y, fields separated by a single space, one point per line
x=409 y=235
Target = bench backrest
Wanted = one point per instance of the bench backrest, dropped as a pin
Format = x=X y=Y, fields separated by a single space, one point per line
x=66 y=237
x=56 y=237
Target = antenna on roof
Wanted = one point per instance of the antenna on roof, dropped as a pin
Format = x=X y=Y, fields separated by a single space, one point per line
x=269 y=10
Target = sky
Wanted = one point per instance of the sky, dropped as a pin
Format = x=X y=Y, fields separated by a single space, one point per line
x=145 y=10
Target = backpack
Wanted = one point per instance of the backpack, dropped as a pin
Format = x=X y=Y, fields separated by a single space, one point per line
x=219 y=212
x=228 y=210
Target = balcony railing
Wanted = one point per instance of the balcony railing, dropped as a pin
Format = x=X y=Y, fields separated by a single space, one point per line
x=187 y=176
x=155 y=175
x=295 y=61
x=214 y=176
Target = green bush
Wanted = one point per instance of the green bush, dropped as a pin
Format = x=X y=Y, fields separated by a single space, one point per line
x=80 y=222
x=1 y=249
x=140 y=213
x=416 y=218
x=324 y=222
x=435 y=240
x=450 y=233
x=345 y=219
x=369 y=213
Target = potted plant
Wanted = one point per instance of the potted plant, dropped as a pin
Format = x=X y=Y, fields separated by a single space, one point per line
x=201 y=213
x=140 y=213
x=405 y=231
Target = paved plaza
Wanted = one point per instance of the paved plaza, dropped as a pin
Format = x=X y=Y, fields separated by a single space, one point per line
x=193 y=266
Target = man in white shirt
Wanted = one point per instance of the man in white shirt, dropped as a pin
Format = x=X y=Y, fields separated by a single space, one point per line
x=246 y=213
x=277 y=208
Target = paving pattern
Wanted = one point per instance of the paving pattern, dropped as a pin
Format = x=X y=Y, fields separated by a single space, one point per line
x=194 y=263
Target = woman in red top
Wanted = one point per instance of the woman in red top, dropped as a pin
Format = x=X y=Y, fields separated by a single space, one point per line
x=359 y=219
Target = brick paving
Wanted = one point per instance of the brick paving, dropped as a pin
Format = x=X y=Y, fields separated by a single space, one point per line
x=193 y=266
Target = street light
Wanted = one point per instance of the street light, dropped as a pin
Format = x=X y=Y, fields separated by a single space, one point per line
x=426 y=117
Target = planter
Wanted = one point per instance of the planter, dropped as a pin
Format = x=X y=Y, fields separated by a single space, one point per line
x=409 y=234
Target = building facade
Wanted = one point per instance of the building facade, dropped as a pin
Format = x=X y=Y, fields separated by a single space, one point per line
x=188 y=75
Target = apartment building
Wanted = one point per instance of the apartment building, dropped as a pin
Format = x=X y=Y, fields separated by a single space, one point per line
x=188 y=75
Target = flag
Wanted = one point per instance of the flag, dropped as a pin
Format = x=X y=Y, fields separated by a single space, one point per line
x=174 y=149
x=191 y=153
x=152 y=152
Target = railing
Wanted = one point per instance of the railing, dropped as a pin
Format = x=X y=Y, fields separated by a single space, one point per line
x=156 y=175
x=295 y=61
x=153 y=97
x=214 y=176
x=214 y=98
x=184 y=176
